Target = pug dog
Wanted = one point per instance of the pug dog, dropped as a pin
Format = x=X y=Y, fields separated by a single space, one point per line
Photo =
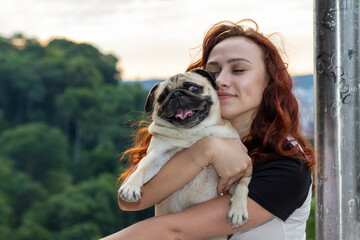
x=185 y=108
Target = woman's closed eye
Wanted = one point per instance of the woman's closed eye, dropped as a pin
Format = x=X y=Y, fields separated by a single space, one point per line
x=238 y=70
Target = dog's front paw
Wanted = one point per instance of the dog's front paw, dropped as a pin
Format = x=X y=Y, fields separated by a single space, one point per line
x=238 y=214
x=130 y=192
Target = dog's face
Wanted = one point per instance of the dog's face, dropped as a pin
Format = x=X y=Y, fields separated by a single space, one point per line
x=183 y=100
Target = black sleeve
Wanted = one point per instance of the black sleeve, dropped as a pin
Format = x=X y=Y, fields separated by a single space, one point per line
x=280 y=185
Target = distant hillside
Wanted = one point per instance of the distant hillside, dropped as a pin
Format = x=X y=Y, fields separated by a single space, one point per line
x=146 y=84
x=304 y=92
x=304 y=81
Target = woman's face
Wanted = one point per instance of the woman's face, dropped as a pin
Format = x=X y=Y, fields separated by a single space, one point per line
x=240 y=76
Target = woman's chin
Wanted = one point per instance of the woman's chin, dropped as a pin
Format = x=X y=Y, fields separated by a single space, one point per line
x=226 y=115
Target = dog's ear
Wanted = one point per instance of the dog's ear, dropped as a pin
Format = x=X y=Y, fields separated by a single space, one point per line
x=209 y=75
x=150 y=98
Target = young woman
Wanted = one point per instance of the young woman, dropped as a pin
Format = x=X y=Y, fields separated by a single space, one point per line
x=255 y=92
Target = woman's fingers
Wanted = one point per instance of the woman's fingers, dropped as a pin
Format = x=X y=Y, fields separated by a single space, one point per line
x=242 y=146
x=227 y=181
x=224 y=185
x=221 y=188
x=248 y=171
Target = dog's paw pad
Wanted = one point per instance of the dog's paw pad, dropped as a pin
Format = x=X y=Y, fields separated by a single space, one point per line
x=130 y=194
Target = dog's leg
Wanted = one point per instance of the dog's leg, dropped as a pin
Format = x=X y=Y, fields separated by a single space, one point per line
x=159 y=161
x=130 y=190
x=238 y=214
x=148 y=167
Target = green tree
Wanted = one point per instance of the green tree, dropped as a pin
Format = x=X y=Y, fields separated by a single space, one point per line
x=18 y=193
x=29 y=94
x=95 y=116
x=93 y=201
x=86 y=230
x=82 y=72
x=310 y=224
x=22 y=192
x=119 y=108
x=5 y=46
x=105 y=63
x=52 y=73
x=101 y=159
x=32 y=230
x=35 y=148
x=21 y=90
x=75 y=105
x=6 y=209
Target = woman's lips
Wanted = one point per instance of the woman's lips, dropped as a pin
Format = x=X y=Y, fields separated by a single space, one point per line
x=225 y=95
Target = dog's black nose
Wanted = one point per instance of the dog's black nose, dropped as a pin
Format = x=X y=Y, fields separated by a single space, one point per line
x=177 y=95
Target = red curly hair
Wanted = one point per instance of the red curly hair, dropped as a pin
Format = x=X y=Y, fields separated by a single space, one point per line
x=278 y=114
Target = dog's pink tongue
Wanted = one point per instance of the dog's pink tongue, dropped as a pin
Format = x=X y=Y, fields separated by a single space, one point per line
x=183 y=113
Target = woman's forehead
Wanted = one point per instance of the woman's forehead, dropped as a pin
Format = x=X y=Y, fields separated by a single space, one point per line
x=235 y=49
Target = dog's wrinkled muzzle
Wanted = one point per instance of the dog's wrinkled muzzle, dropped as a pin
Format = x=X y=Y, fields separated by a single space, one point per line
x=184 y=108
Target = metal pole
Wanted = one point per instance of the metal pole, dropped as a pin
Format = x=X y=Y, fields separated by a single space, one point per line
x=337 y=116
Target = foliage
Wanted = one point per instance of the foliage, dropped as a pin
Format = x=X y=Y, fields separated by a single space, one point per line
x=310 y=224
x=42 y=148
x=64 y=119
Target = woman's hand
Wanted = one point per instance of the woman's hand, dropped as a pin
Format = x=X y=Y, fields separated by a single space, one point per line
x=230 y=160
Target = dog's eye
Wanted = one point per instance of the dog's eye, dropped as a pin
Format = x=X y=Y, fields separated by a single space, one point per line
x=193 y=89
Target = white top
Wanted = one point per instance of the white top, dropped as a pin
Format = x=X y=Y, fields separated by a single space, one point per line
x=276 y=229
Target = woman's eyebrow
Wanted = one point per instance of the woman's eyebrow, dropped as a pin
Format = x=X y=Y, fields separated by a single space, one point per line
x=212 y=63
x=231 y=60
x=238 y=60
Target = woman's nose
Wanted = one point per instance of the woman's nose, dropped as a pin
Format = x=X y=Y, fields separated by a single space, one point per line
x=223 y=80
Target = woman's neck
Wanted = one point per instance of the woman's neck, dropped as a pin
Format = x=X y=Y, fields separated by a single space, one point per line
x=242 y=124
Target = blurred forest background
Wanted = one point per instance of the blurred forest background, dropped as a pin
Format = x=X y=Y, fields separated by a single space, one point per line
x=64 y=119
x=65 y=116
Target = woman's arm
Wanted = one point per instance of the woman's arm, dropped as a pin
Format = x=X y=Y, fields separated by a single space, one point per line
x=228 y=156
x=203 y=221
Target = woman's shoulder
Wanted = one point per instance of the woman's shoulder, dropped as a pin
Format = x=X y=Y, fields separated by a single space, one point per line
x=280 y=184
x=284 y=170
x=288 y=163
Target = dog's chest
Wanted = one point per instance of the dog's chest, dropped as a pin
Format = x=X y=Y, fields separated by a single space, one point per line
x=202 y=188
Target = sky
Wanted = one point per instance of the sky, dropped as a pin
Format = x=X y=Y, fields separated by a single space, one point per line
x=159 y=38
